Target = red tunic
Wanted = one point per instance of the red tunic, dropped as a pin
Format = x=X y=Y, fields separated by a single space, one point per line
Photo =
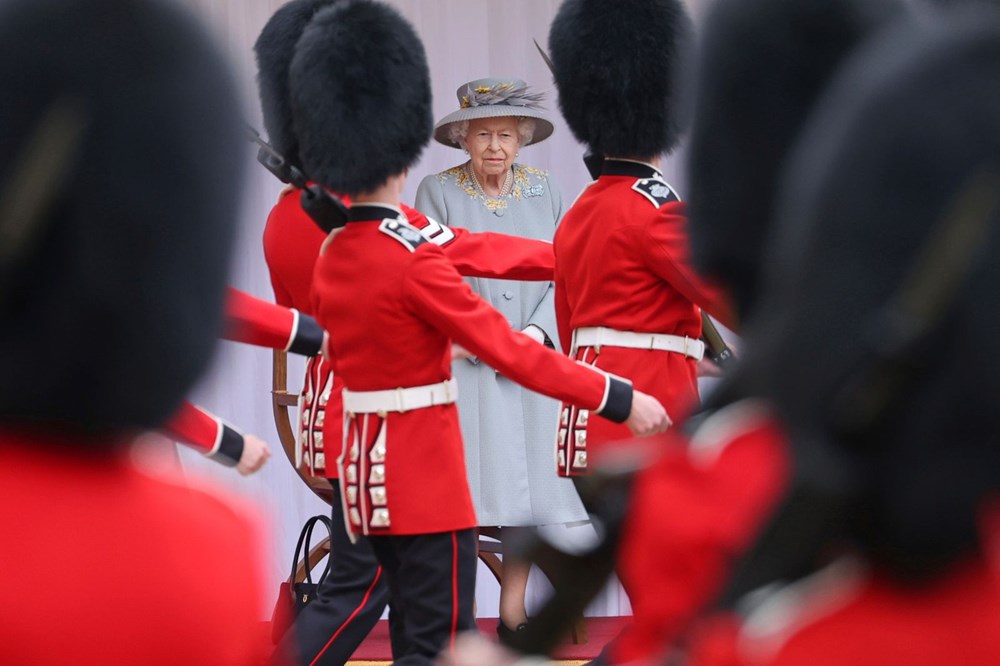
x=292 y=242
x=101 y=563
x=392 y=305
x=195 y=427
x=622 y=262
x=691 y=514
x=842 y=616
x=254 y=321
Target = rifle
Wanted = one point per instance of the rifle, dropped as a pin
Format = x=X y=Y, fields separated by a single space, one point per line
x=325 y=209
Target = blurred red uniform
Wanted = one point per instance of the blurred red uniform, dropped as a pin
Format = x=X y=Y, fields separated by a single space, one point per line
x=691 y=515
x=844 y=615
x=194 y=557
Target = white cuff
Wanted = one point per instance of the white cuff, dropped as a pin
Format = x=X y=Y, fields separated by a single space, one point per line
x=295 y=329
x=219 y=430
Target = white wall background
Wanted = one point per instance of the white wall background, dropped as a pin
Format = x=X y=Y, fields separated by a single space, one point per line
x=465 y=40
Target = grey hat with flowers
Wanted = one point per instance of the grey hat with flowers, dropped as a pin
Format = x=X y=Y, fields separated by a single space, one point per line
x=495 y=98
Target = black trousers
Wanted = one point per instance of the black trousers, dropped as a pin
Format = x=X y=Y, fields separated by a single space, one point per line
x=351 y=601
x=432 y=583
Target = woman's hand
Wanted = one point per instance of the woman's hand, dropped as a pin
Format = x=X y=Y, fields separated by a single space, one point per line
x=458 y=352
x=648 y=416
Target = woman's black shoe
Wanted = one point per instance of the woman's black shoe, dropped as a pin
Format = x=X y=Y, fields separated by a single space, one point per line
x=507 y=635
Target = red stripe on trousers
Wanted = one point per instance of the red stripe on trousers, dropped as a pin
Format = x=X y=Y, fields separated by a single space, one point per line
x=454 y=591
x=364 y=602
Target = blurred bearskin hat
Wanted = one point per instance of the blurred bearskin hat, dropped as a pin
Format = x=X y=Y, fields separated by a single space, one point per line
x=878 y=345
x=118 y=196
x=949 y=4
x=274 y=49
x=762 y=65
x=361 y=96
x=617 y=67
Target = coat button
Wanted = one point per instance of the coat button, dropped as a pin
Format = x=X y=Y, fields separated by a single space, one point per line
x=509 y=295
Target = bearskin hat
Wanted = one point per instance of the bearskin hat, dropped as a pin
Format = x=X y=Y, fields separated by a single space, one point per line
x=964 y=3
x=362 y=106
x=121 y=135
x=616 y=65
x=761 y=67
x=274 y=49
x=877 y=344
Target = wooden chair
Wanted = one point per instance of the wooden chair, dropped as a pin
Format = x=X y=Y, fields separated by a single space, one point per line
x=281 y=401
x=490 y=547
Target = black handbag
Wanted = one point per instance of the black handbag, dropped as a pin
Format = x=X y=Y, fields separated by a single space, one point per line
x=294 y=596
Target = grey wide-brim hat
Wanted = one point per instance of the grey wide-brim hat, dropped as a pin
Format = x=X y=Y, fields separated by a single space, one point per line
x=495 y=98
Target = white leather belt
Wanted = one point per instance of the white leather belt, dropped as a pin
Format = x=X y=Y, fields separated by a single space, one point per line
x=400 y=399
x=599 y=336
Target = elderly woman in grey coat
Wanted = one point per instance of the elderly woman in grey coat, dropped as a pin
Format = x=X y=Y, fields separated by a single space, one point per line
x=508 y=431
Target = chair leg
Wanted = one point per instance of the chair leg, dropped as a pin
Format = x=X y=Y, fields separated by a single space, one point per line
x=493 y=563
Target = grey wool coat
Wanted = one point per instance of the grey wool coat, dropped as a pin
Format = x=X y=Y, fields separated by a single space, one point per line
x=509 y=432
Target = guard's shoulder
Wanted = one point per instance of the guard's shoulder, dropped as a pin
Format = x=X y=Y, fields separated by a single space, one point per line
x=582 y=192
x=656 y=191
x=404 y=233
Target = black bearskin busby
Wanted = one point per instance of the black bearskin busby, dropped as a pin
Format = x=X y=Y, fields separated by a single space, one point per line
x=949 y=4
x=361 y=96
x=121 y=140
x=878 y=344
x=274 y=49
x=617 y=67
x=761 y=67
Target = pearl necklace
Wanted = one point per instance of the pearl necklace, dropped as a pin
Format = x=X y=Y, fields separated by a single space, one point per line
x=505 y=189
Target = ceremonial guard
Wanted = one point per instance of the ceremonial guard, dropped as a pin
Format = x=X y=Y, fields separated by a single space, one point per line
x=354 y=595
x=884 y=550
x=119 y=195
x=723 y=476
x=626 y=299
x=392 y=303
